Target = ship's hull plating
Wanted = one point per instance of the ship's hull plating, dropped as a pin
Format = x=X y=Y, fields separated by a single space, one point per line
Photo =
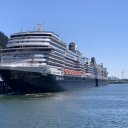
x=29 y=82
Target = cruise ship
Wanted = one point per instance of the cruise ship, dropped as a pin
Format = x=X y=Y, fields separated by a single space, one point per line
x=39 y=61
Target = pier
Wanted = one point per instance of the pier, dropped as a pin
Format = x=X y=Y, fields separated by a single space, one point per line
x=119 y=81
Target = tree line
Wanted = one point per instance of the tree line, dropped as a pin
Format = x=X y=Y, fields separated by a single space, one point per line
x=3 y=40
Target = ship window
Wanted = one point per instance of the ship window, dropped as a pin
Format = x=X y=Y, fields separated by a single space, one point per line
x=30 y=35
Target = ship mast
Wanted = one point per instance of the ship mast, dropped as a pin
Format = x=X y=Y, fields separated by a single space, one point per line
x=39 y=27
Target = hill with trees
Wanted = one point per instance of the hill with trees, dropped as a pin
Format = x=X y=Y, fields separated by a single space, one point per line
x=3 y=40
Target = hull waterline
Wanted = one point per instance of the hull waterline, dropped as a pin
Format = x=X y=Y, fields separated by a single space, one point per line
x=31 y=82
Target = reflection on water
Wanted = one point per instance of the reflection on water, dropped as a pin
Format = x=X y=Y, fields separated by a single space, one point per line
x=102 y=107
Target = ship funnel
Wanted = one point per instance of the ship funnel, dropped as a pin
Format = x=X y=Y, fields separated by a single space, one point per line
x=72 y=46
x=93 y=61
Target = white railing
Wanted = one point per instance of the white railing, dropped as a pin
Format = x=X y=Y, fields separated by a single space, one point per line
x=22 y=64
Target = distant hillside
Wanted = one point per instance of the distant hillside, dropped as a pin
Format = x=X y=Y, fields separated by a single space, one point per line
x=113 y=78
x=3 y=40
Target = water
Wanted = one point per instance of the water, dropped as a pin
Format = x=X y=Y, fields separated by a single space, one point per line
x=98 y=107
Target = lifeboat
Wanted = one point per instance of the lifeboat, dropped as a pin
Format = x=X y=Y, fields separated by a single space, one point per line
x=72 y=72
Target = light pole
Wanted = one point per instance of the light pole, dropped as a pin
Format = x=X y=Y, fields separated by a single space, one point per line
x=122 y=74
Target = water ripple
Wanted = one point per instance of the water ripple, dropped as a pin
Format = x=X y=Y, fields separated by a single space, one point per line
x=102 y=107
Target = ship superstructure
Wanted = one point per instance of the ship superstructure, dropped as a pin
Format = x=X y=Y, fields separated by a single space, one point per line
x=36 y=61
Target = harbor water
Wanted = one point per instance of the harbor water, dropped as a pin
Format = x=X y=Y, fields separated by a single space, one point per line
x=96 y=107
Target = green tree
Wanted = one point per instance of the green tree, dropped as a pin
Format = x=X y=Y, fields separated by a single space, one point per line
x=3 y=40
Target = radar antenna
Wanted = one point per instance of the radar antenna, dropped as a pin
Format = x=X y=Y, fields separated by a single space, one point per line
x=39 y=27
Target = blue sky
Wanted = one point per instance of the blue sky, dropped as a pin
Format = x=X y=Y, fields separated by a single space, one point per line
x=99 y=27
